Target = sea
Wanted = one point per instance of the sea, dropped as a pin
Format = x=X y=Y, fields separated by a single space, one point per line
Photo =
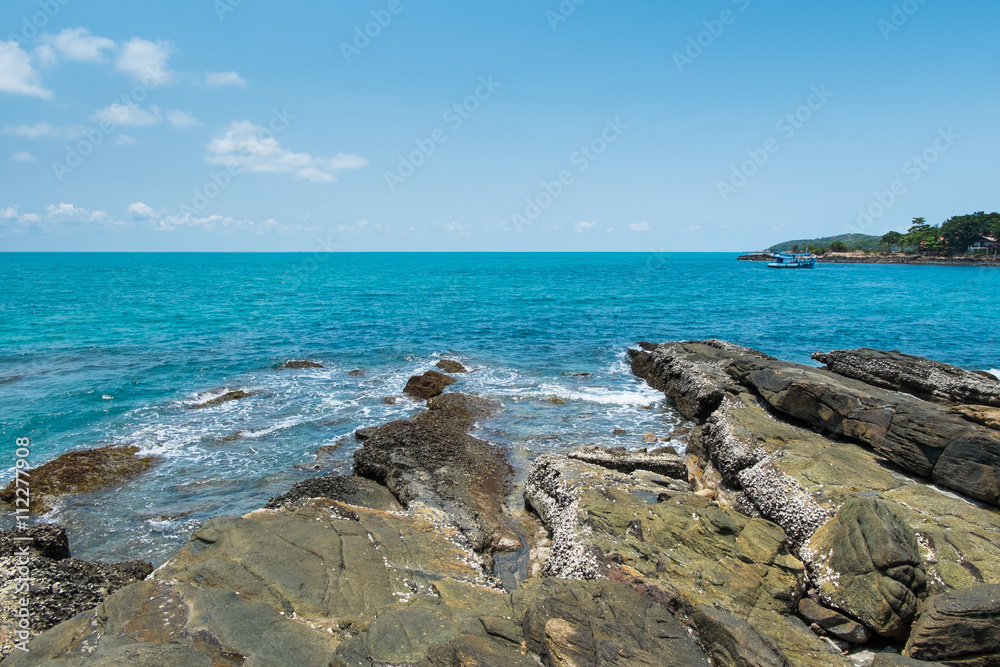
x=102 y=349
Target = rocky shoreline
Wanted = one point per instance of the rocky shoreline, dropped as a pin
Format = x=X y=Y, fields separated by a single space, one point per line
x=895 y=258
x=841 y=516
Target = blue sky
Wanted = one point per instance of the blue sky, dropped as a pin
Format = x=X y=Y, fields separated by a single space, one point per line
x=630 y=125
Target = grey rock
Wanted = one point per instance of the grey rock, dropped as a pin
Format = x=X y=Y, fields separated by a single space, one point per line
x=960 y=627
x=832 y=622
x=428 y=385
x=349 y=489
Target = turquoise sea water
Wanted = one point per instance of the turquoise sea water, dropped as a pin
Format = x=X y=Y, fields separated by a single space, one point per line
x=98 y=349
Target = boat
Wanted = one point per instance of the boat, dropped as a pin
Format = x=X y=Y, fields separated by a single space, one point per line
x=792 y=260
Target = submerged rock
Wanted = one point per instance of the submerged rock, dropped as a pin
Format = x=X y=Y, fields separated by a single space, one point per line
x=81 y=471
x=231 y=395
x=301 y=363
x=428 y=385
x=921 y=377
x=451 y=366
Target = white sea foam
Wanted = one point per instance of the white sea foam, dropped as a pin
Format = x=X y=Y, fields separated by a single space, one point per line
x=996 y=372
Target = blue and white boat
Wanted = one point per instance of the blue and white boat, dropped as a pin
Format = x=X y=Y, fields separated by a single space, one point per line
x=793 y=260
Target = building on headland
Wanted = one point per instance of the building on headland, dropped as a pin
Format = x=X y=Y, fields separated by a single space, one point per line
x=985 y=244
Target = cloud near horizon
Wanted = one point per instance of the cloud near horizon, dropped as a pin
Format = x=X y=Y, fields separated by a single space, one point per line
x=254 y=149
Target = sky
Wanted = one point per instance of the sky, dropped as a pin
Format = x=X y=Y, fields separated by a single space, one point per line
x=513 y=125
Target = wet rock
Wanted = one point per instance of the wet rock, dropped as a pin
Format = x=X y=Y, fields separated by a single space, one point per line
x=389 y=400
x=665 y=462
x=301 y=363
x=348 y=489
x=555 y=400
x=921 y=377
x=896 y=660
x=81 y=471
x=866 y=563
x=430 y=462
x=832 y=622
x=363 y=434
x=619 y=431
x=959 y=628
x=451 y=366
x=600 y=622
x=231 y=395
x=428 y=385
x=60 y=586
x=357 y=372
x=45 y=540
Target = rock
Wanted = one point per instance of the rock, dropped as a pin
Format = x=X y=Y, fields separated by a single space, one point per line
x=896 y=660
x=231 y=395
x=60 y=586
x=345 y=488
x=832 y=622
x=600 y=622
x=866 y=563
x=681 y=552
x=428 y=385
x=649 y=437
x=357 y=372
x=363 y=434
x=81 y=471
x=959 y=628
x=581 y=375
x=389 y=400
x=431 y=462
x=979 y=414
x=733 y=642
x=666 y=463
x=921 y=377
x=301 y=363
x=46 y=540
x=619 y=431
x=451 y=366
x=555 y=400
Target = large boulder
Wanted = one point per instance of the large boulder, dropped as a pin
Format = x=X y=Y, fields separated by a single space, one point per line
x=349 y=489
x=431 y=465
x=959 y=628
x=81 y=471
x=866 y=562
x=428 y=385
x=921 y=377
x=451 y=366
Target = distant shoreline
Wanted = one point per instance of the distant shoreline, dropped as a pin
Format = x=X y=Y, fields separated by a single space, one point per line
x=895 y=258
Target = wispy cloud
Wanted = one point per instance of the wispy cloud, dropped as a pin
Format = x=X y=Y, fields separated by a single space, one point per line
x=43 y=130
x=144 y=59
x=254 y=149
x=80 y=44
x=584 y=224
x=17 y=75
x=23 y=156
x=182 y=119
x=125 y=140
x=220 y=79
x=639 y=227
x=129 y=115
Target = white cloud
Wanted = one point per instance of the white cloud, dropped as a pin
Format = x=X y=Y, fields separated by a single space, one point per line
x=456 y=228
x=144 y=60
x=43 y=130
x=23 y=156
x=182 y=119
x=583 y=224
x=692 y=228
x=9 y=213
x=220 y=79
x=254 y=149
x=128 y=115
x=140 y=211
x=79 y=44
x=17 y=76
x=71 y=213
x=359 y=226
x=125 y=140
x=639 y=227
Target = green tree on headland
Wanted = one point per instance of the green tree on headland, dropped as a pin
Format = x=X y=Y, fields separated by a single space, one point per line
x=962 y=231
x=923 y=236
x=891 y=239
x=838 y=246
